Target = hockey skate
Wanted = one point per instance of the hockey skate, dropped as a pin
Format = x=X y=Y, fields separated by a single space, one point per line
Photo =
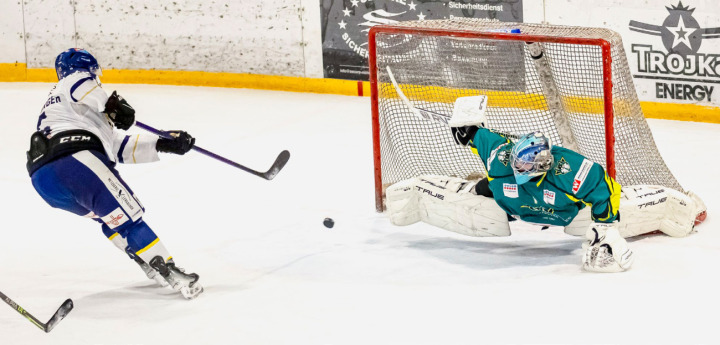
x=187 y=284
x=151 y=273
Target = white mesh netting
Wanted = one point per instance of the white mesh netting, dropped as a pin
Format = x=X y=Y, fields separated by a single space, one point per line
x=433 y=70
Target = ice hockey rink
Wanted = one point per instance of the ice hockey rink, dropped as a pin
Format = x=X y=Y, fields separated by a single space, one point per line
x=273 y=274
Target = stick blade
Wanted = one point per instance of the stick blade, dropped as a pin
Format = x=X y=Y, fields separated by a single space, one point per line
x=60 y=314
x=280 y=162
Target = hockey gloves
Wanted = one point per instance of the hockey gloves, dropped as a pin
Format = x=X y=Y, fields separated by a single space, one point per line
x=606 y=250
x=119 y=111
x=180 y=143
x=464 y=135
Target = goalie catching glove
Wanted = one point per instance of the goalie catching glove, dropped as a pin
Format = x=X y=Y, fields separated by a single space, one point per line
x=468 y=116
x=606 y=250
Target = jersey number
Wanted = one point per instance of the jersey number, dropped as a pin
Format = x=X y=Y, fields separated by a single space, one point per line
x=42 y=117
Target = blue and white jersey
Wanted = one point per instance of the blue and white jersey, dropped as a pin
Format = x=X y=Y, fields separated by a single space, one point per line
x=77 y=102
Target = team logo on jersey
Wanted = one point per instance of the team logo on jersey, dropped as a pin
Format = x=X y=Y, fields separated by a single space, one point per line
x=681 y=63
x=563 y=167
x=115 y=218
x=581 y=175
x=504 y=157
x=547 y=213
x=540 y=209
x=502 y=153
x=510 y=190
x=549 y=197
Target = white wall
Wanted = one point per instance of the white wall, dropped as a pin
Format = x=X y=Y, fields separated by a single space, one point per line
x=50 y=29
x=275 y=37
x=263 y=37
x=12 y=44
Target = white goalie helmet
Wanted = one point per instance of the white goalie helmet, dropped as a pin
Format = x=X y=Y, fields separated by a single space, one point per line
x=531 y=157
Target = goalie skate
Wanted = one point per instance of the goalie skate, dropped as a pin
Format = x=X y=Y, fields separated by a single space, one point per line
x=187 y=284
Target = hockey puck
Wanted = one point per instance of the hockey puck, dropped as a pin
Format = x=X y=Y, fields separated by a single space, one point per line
x=329 y=223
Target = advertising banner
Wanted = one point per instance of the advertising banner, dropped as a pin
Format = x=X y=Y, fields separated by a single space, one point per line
x=345 y=25
x=676 y=57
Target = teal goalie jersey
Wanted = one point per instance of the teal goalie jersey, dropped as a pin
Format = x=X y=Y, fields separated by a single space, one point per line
x=554 y=198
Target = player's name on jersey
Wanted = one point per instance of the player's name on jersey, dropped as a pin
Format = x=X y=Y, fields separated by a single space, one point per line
x=52 y=100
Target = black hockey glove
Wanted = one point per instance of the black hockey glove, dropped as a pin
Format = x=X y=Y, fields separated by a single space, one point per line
x=180 y=143
x=464 y=135
x=119 y=111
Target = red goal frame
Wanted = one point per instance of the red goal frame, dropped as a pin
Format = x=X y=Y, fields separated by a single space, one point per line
x=389 y=29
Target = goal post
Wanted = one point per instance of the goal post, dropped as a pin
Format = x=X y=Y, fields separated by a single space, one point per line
x=571 y=83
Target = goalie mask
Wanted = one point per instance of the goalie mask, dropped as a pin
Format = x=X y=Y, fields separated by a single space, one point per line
x=531 y=157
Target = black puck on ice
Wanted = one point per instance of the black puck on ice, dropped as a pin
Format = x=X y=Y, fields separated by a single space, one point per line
x=328 y=222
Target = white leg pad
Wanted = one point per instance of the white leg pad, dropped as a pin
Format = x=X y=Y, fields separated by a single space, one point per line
x=445 y=202
x=649 y=208
x=646 y=208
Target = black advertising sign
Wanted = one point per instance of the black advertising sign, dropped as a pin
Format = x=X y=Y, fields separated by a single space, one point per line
x=345 y=25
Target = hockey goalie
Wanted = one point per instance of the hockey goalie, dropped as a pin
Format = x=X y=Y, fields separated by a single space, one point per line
x=532 y=180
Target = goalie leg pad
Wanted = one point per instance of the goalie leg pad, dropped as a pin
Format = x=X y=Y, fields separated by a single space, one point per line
x=644 y=209
x=446 y=202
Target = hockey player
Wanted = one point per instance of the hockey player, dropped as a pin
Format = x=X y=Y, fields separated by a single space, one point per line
x=539 y=183
x=72 y=160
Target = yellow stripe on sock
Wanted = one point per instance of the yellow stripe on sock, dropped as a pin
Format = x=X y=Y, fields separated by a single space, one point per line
x=113 y=236
x=148 y=247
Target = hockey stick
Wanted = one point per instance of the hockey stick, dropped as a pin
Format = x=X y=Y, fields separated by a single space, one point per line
x=425 y=114
x=60 y=314
x=280 y=161
x=422 y=114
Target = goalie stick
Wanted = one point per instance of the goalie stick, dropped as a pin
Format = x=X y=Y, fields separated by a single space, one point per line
x=60 y=314
x=422 y=114
x=279 y=163
x=425 y=114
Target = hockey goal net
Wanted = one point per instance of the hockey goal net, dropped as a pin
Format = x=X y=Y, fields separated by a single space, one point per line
x=571 y=83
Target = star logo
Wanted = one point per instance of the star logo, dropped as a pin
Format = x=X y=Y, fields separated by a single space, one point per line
x=361 y=15
x=680 y=32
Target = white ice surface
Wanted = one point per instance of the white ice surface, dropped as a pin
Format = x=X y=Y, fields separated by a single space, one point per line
x=274 y=275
